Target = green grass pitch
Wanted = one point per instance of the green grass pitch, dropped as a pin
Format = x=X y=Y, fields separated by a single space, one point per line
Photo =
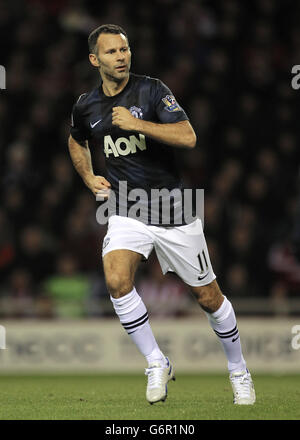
x=122 y=397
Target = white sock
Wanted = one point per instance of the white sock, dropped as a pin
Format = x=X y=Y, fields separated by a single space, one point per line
x=133 y=316
x=224 y=324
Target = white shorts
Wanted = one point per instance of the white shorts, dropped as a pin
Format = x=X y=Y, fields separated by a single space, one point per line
x=179 y=249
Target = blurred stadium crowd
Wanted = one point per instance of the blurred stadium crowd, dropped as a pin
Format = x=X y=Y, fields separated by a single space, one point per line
x=229 y=65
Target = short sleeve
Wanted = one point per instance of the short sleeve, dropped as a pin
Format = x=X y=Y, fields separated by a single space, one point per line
x=77 y=129
x=167 y=108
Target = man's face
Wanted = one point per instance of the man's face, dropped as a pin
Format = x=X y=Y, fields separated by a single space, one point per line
x=114 y=56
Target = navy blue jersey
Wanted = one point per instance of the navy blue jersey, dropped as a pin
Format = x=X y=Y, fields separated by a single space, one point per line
x=131 y=157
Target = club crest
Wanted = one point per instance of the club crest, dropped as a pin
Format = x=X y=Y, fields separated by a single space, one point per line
x=136 y=112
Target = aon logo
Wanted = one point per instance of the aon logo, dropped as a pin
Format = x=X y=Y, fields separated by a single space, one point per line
x=124 y=146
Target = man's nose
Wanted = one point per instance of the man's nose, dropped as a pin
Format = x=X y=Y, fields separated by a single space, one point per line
x=121 y=55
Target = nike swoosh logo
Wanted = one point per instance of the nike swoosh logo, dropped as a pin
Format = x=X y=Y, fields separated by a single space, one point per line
x=93 y=125
x=234 y=339
x=201 y=278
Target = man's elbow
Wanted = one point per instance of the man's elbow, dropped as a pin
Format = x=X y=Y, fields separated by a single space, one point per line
x=191 y=140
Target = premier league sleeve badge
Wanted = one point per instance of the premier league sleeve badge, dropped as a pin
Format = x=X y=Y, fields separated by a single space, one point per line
x=171 y=104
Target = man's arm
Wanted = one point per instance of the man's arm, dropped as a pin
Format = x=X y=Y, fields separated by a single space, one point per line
x=178 y=134
x=81 y=158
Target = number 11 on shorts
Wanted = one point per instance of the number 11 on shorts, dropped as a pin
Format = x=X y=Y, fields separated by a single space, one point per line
x=203 y=262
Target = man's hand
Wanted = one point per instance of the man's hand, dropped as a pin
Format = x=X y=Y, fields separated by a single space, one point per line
x=98 y=185
x=124 y=119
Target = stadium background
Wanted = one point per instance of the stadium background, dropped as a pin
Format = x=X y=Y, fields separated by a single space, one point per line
x=229 y=65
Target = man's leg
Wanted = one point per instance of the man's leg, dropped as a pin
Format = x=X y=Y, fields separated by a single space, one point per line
x=183 y=250
x=222 y=318
x=119 y=269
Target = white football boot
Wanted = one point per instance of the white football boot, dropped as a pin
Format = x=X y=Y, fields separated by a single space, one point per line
x=158 y=378
x=243 y=388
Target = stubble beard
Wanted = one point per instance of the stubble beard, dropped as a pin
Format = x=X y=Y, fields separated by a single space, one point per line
x=116 y=79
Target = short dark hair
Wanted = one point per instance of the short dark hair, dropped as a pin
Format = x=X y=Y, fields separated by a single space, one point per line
x=103 y=29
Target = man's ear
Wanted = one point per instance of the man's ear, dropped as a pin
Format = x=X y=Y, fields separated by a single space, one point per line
x=94 y=60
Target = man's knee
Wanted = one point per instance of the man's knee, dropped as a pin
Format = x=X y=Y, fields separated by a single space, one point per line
x=119 y=269
x=118 y=285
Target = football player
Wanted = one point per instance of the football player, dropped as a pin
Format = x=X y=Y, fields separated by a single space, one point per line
x=138 y=123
